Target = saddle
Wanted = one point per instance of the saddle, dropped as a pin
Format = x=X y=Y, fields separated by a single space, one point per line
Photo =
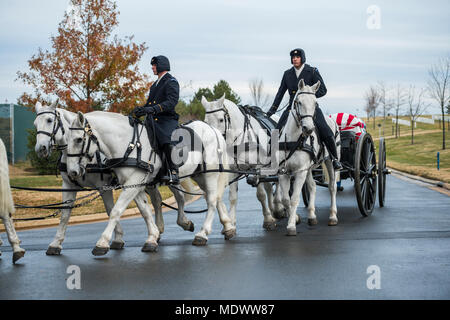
x=260 y=116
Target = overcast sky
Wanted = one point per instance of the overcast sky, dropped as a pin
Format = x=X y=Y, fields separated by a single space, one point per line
x=240 y=40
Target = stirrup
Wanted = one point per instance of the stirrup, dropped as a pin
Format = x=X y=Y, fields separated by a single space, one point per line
x=173 y=177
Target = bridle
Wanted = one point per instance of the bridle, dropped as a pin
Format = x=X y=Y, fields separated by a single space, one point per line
x=299 y=117
x=226 y=119
x=90 y=137
x=57 y=124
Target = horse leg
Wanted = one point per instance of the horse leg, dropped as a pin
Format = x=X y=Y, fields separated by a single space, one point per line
x=155 y=197
x=127 y=195
x=108 y=201
x=269 y=221
x=211 y=199
x=293 y=200
x=279 y=211
x=332 y=220
x=151 y=244
x=55 y=247
x=284 y=184
x=13 y=239
x=182 y=220
x=270 y=196
x=229 y=228
x=232 y=197
x=311 y=185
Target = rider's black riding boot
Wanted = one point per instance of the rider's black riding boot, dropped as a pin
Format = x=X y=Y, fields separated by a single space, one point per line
x=172 y=170
x=330 y=143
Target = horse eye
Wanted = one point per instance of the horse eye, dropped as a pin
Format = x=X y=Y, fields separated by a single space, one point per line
x=78 y=140
x=221 y=120
x=49 y=120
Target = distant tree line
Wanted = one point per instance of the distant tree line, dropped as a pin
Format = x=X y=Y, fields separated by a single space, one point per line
x=383 y=99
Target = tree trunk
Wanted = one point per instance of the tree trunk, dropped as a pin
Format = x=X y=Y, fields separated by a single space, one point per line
x=412 y=131
x=396 y=124
x=443 y=126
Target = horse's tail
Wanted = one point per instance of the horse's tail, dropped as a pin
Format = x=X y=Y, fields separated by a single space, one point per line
x=6 y=200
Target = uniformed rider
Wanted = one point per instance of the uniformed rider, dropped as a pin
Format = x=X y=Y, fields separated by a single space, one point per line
x=160 y=110
x=310 y=76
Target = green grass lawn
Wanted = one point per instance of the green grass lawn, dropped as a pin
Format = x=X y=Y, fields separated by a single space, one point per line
x=389 y=126
x=36 y=181
x=422 y=152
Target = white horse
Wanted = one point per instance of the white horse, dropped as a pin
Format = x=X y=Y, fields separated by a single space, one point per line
x=226 y=116
x=7 y=206
x=52 y=126
x=301 y=163
x=112 y=134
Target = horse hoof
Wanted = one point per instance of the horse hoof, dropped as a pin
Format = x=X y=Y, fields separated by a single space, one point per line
x=298 y=220
x=18 y=255
x=150 y=247
x=229 y=234
x=312 y=222
x=53 y=251
x=291 y=232
x=198 y=241
x=332 y=222
x=117 y=245
x=269 y=226
x=279 y=214
x=189 y=226
x=99 y=251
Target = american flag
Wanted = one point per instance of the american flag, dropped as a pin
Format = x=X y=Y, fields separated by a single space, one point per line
x=349 y=122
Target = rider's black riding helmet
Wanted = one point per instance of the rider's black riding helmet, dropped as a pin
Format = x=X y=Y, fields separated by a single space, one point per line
x=162 y=63
x=298 y=53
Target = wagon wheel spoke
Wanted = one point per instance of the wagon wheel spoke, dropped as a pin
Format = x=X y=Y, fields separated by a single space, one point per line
x=368 y=156
x=363 y=165
x=364 y=189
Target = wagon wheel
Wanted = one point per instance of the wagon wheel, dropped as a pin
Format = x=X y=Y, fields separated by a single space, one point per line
x=365 y=174
x=305 y=195
x=382 y=172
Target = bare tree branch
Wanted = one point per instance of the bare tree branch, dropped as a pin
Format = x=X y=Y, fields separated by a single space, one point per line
x=438 y=87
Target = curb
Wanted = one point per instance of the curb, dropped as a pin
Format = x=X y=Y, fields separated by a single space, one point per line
x=91 y=218
x=435 y=183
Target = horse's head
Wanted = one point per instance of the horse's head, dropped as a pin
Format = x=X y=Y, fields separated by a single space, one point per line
x=82 y=145
x=304 y=106
x=216 y=114
x=50 y=131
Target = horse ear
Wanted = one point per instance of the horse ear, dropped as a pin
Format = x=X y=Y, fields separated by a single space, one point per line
x=54 y=104
x=37 y=106
x=316 y=86
x=301 y=84
x=205 y=102
x=222 y=99
x=80 y=117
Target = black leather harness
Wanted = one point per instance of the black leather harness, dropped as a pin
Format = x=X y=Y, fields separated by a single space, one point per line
x=109 y=164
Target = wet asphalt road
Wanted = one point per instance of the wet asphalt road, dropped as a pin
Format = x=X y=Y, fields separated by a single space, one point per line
x=409 y=240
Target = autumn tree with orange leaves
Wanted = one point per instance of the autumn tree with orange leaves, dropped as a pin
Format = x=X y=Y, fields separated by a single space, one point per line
x=87 y=68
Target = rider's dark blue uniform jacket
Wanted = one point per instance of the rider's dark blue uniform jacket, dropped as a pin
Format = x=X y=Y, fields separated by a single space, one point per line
x=163 y=97
x=290 y=83
x=310 y=76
